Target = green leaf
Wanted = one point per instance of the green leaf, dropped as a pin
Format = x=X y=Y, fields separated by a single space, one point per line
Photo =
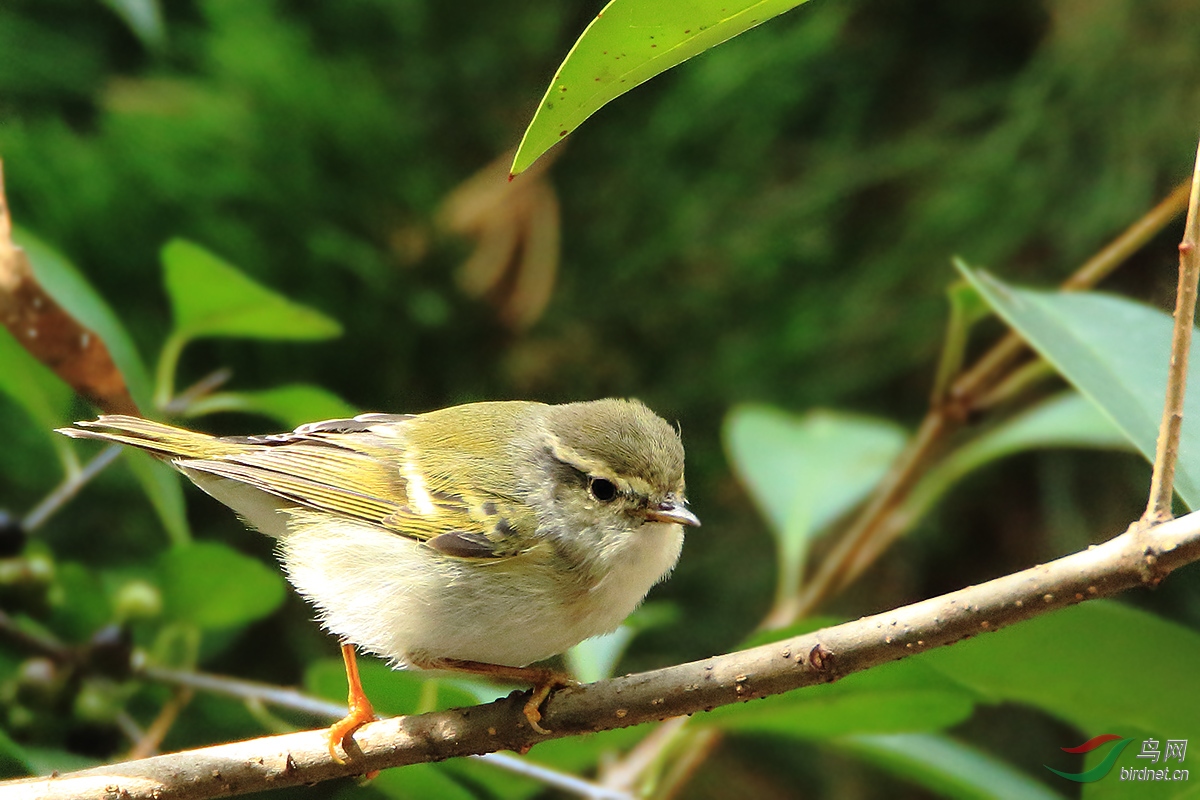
x=144 y=19
x=1081 y=665
x=1066 y=420
x=904 y=696
x=14 y=761
x=1112 y=350
x=81 y=604
x=209 y=297
x=804 y=472
x=628 y=43
x=213 y=586
x=392 y=691
x=33 y=386
x=67 y=285
x=595 y=659
x=947 y=767
x=163 y=485
x=414 y=782
x=293 y=405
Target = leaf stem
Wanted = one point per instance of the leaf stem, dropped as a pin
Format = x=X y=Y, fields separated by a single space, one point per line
x=69 y=488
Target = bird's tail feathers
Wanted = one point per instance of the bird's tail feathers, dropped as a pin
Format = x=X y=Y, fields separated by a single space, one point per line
x=154 y=437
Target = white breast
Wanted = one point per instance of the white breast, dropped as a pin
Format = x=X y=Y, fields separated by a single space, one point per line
x=406 y=602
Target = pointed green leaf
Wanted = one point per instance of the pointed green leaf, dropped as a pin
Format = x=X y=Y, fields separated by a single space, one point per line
x=628 y=43
x=1113 y=350
x=209 y=297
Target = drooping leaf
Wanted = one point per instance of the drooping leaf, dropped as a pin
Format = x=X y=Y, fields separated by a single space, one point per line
x=1113 y=350
x=627 y=44
x=804 y=472
x=213 y=586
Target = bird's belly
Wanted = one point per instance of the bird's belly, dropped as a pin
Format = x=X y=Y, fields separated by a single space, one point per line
x=404 y=601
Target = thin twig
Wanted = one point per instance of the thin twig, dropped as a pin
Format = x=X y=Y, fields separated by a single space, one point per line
x=69 y=488
x=1162 y=483
x=148 y=743
x=871 y=533
x=181 y=402
x=1130 y=559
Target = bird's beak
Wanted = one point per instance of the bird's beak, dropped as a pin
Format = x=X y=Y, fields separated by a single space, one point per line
x=673 y=511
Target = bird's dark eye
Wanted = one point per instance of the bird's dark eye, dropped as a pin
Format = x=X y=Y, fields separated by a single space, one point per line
x=603 y=490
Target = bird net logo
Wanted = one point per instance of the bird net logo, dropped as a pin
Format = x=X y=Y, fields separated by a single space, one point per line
x=1163 y=760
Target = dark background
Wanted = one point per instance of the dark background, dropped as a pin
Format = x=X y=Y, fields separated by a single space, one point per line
x=770 y=222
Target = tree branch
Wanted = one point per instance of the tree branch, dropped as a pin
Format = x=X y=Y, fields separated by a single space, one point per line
x=1162 y=485
x=1131 y=559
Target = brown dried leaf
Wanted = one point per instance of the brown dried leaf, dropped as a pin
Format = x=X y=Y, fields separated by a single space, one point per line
x=49 y=333
x=516 y=227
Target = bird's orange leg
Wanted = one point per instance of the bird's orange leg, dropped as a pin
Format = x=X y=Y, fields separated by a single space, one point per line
x=360 y=708
x=543 y=680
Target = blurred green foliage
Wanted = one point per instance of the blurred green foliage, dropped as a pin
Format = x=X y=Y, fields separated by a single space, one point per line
x=770 y=223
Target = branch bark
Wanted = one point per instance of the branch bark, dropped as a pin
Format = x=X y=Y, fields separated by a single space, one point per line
x=1134 y=558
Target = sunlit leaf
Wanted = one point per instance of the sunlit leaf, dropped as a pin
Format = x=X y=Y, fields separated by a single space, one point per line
x=595 y=659
x=804 y=472
x=144 y=18
x=213 y=586
x=209 y=297
x=947 y=767
x=1113 y=350
x=628 y=43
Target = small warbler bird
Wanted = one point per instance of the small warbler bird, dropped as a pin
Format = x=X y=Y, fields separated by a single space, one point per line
x=481 y=537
